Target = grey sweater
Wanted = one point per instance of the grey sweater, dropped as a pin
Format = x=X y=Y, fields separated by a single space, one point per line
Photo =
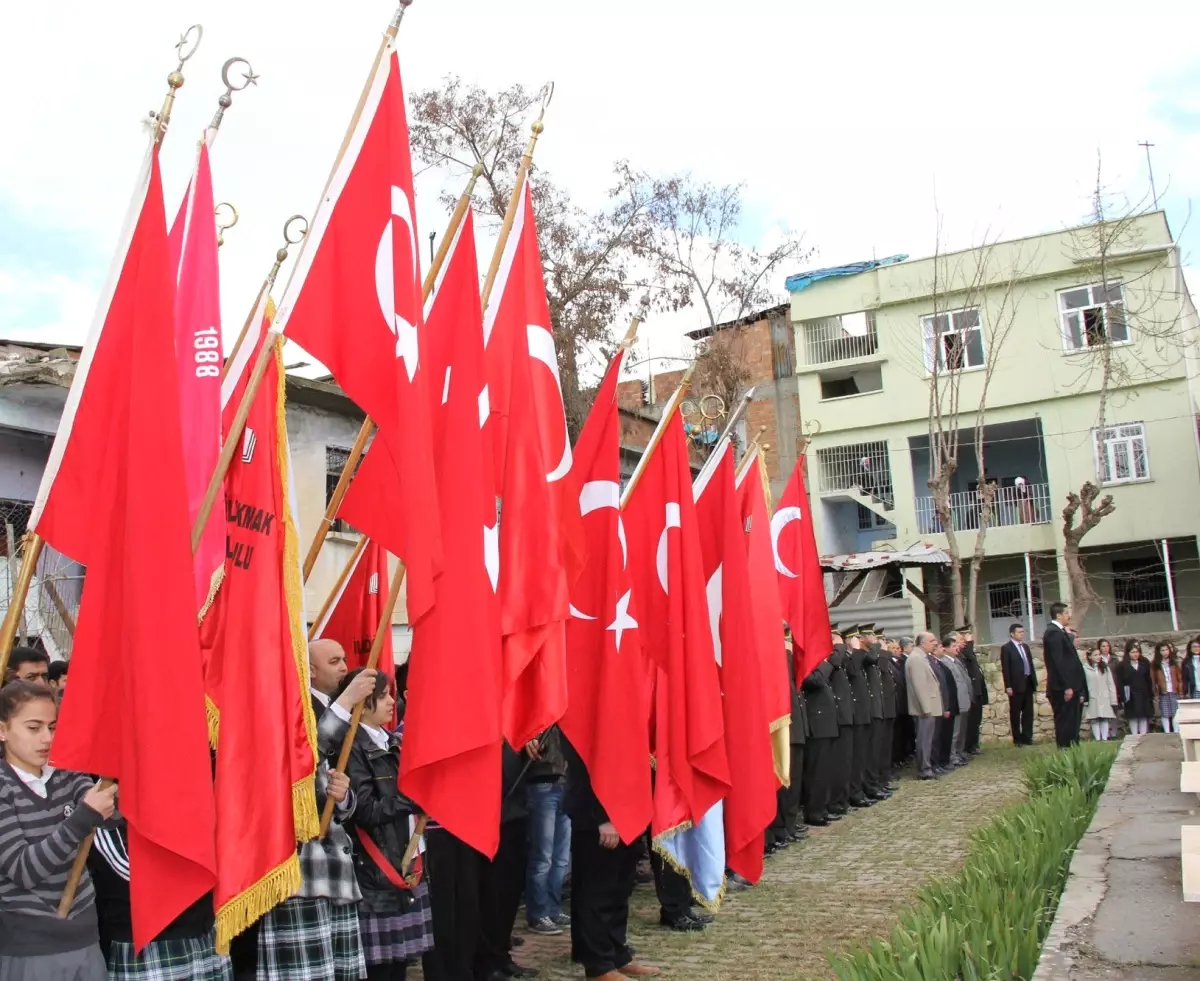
x=38 y=841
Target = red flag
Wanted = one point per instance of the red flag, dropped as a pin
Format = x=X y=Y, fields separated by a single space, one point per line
x=768 y=614
x=451 y=759
x=257 y=674
x=607 y=709
x=541 y=537
x=114 y=498
x=355 y=304
x=193 y=243
x=801 y=581
x=750 y=803
x=692 y=770
x=354 y=615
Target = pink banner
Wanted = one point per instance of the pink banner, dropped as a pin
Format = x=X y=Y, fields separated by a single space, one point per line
x=199 y=355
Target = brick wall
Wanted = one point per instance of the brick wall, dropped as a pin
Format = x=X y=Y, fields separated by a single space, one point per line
x=631 y=394
x=665 y=384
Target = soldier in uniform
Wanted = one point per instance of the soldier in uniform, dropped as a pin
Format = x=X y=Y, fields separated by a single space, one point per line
x=887 y=674
x=875 y=781
x=904 y=740
x=843 y=748
x=821 y=709
x=788 y=827
x=860 y=788
x=979 y=689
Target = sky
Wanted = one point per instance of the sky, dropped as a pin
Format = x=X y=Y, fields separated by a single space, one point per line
x=856 y=127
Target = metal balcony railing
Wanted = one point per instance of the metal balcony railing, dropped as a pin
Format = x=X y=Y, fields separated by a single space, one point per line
x=859 y=466
x=1026 y=505
x=839 y=338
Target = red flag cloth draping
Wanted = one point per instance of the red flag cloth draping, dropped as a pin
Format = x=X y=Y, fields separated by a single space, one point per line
x=114 y=497
x=541 y=536
x=607 y=709
x=801 y=581
x=692 y=770
x=198 y=352
x=355 y=304
x=257 y=673
x=768 y=613
x=451 y=760
x=750 y=803
x=354 y=616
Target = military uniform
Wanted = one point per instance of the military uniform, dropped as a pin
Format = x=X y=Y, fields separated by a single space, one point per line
x=787 y=826
x=821 y=712
x=843 y=748
x=887 y=674
x=875 y=781
x=860 y=790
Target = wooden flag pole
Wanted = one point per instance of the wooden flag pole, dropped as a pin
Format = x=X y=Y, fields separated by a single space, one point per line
x=669 y=410
x=337 y=586
x=368 y=424
x=381 y=633
x=749 y=457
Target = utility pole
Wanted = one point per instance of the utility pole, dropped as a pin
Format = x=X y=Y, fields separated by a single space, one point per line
x=1150 y=166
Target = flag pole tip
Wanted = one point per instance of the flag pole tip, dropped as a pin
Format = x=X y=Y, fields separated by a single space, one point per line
x=477 y=171
x=222 y=225
x=764 y=447
x=687 y=375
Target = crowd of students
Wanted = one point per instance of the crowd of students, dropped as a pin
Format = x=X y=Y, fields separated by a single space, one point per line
x=869 y=708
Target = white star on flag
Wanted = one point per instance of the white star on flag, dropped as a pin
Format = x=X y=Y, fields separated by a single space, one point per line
x=622 y=621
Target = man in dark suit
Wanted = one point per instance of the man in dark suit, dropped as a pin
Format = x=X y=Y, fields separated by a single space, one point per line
x=821 y=709
x=862 y=783
x=979 y=690
x=1066 y=684
x=1020 y=683
x=943 y=740
x=843 y=747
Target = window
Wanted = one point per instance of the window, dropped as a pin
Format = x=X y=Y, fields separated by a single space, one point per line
x=954 y=339
x=335 y=462
x=1092 y=315
x=1140 y=586
x=868 y=519
x=1006 y=600
x=840 y=383
x=1121 y=454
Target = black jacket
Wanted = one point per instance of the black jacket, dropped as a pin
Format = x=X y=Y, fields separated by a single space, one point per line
x=948 y=685
x=1189 y=680
x=897 y=664
x=1135 y=690
x=874 y=681
x=798 y=731
x=887 y=674
x=513 y=778
x=1013 y=668
x=970 y=660
x=859 y=686
x=820 y=703
x=553 y=765
x=382 y=812
x=839 y=681
x=580 y=802
x=1063 y=667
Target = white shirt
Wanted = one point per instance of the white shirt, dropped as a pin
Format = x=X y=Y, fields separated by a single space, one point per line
x=377 y=735
x=36 y=784
x=325 y=700
x=1166 y=670
x=1196 y=674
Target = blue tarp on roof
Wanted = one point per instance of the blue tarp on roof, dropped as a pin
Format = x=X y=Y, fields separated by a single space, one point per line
x=805 y=279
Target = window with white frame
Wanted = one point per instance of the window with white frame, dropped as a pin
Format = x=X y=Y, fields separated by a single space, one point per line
x=953 y=340
x=1121 y=453
x=1092 y=315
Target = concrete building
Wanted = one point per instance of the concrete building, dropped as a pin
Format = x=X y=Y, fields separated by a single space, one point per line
x=1033 y=322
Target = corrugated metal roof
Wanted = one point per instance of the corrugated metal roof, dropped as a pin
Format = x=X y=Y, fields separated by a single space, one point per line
x=922 y=553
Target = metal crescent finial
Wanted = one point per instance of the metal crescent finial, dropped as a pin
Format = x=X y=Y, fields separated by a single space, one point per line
x=288 y=233
x=226 y=99
x=162 y=118
x=223 y=227
x=548 y=97
x=182 y=43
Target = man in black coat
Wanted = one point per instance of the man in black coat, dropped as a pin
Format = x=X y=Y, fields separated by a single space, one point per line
x=822 y=715
x=1066 y=684
x=861 y=784
x=843 y=747
x=943 y=738
x=1020 y=684
x=875 y=780
x=904 y=736
x=979 y=690
x=887 y=674
x=787 y=826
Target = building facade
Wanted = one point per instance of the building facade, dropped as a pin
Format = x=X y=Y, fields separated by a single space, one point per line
x=1065 y=358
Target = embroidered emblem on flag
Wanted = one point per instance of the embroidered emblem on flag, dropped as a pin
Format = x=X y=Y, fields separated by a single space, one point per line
x=249 y=442
x=373 y=587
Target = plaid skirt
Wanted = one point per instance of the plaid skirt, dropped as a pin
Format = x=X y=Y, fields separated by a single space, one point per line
x=1168 y=705
x=395 y=938
x=310 y=940
x=193 y=959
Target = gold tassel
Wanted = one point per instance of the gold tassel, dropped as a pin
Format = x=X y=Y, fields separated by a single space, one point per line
x=712 y=905
x=212 y=716
x=781 y=749
x=304 y=814
x=278 y=885
x=214 y=584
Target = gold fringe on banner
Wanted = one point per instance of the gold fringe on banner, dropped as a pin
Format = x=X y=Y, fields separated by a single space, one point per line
x=711 y=905
x=781 y=749
x=212 y=716
x=304 y=799
x=278 y=885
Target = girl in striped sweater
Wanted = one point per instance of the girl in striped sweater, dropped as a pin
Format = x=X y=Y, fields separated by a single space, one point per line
x=44 y=815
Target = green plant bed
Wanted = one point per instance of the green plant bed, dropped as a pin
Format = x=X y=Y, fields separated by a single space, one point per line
x=988 y=922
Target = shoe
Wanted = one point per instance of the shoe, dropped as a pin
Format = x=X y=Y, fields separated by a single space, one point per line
x=545 y=927
x=635 y=970
x=515 y=942
x=926 y=776
x=680 y=924
x=515 y=970
x=702 y=918
x=769 y=849
x=861 y=802
x=782 y=844
x=799 y=834
x=836 y=815
x=608 y=976
x=817 y=822
x=837 y=812
x=736 y=883
x=562 y=920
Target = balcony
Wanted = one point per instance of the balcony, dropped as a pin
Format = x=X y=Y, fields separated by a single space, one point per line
x=1028 y=504
x=843 y=338
x=859 y=467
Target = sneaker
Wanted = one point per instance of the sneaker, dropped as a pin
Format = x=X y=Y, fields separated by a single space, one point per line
x=562 y=920
x=545 y=927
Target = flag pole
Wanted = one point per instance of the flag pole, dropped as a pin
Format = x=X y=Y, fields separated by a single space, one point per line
x=749 y=457
x=34 y=541
x=234 y=436
x=381 y=633
x=368 y=424
x=280 y=258
x=734 y=418
x=319 y=619
x=226 y=98
x=669 y=410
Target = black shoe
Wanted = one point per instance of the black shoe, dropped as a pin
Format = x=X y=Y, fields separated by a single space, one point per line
x=770 y=849
x=799 y=834
x=836 y=815
x=927 y=776
x=704 y=919
x=782 y=844
x=680 y=924
x=514 y=970
x=817 y=822
x=514 y=942
x=736 y=883
x=838 y=811
x=861 y=802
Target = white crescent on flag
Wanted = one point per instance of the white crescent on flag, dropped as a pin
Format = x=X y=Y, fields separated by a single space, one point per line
x=782 y=518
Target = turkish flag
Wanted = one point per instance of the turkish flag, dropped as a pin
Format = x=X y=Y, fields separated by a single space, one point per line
x=114 y=497
x=607 y=709
x=692 y=769
x=356 y=611
x=452 y=742
x=750 y=803
x=354 y=302
x=541 y=536
x=768 y=613
x=198 y=353
x=257 y=673
x=801 y=580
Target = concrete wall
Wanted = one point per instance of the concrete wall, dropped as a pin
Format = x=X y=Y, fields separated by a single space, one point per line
x=23 y=458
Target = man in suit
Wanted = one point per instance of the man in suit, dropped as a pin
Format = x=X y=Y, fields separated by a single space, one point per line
x=924 y=700
x=979 y=689
x=1020 y=683
x=821 y=709
x=951 y=646
x=943 y=740
x=887 y=674
x=1066 y=684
